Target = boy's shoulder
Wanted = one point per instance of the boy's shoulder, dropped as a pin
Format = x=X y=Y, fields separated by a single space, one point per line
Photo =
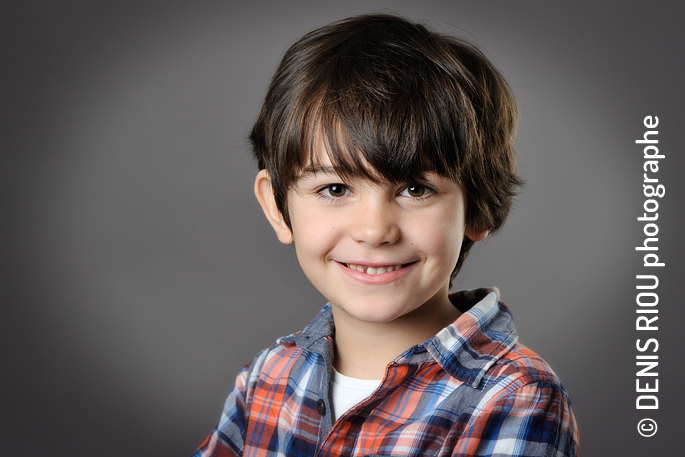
x=310 y=346
x=524 y=366
x=481 y=348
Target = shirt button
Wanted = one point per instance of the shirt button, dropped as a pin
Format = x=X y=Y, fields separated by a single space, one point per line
x=321 y=407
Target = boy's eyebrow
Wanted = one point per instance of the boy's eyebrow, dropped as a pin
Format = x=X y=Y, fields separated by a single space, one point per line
x=316 y=169
x=312 y=170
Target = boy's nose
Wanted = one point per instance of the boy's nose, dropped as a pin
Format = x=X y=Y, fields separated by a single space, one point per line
x=375 y=224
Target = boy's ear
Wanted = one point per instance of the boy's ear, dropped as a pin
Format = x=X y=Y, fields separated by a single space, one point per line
x=265 y=196
x=476 y=234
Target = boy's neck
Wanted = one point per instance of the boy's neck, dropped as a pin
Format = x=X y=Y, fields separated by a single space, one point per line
x=364 y=349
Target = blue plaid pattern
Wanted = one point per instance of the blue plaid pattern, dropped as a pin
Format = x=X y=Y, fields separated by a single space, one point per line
x=471 y=390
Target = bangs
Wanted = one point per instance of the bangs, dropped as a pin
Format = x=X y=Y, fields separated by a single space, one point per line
x=361 y=152
x=376 y=129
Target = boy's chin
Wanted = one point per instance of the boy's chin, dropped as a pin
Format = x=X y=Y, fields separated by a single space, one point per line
x=371 y=312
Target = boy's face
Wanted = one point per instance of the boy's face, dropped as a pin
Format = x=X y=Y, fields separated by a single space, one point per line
x=377 y=252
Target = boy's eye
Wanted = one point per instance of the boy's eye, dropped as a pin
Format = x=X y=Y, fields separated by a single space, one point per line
x=335 y=190
x=415 y=191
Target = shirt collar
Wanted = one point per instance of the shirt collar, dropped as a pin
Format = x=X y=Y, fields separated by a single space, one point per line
x=466 y=349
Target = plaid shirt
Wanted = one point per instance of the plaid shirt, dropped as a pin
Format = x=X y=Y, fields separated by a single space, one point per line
x=471 y=390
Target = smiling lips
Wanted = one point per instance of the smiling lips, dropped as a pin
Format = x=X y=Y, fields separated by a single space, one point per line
x=372 y=270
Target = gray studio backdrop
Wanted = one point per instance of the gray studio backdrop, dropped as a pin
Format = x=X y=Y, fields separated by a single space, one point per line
x=139 y=275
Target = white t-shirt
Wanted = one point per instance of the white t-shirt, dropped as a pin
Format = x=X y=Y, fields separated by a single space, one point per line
x=347 y=392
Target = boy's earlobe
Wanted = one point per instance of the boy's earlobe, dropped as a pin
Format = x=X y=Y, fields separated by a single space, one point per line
x=265 y=196
x=476 y=234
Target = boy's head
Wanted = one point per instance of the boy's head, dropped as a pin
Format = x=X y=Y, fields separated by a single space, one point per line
x=389 y=100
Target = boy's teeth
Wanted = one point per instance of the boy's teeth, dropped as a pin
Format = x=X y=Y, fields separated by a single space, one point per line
x=372 y=270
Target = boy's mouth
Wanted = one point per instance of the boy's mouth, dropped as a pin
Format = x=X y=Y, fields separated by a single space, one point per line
x=373 y=270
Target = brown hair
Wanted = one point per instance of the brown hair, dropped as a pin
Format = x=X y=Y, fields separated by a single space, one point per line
x=390 y=94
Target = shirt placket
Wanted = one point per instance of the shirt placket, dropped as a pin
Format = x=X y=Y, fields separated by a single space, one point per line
x=342 y=436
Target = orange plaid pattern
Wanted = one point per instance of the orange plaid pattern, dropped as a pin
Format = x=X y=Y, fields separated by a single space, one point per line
x=471 y=390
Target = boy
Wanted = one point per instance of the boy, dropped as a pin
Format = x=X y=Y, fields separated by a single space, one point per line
x=385 y=151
